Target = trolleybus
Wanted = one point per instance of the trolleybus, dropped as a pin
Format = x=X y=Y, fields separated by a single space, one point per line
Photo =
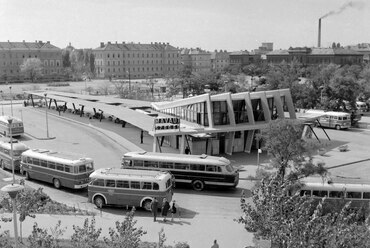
x=60 y=168
x=6 y=155
x=16 y=127
x=197 y=170
x=127 y=187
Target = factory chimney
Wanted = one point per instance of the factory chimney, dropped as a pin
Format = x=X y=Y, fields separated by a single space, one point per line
x=319 y=37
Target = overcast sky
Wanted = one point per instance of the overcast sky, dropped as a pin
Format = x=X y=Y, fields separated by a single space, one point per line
x=209 y=24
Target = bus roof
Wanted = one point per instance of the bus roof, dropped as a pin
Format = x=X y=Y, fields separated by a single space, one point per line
x=58 y=157
x=321 y=112
x=6 y=118
x=336 y=186
x=178 y=158
x=16 y=145
x=122 y=174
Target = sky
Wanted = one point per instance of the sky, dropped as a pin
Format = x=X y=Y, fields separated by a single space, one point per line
x=231 y=25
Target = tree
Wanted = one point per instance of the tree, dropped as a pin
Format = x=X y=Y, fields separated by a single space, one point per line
x=126 y=235
x=86 y=236
x=32 y=67
x=278 y=213
x=290 y=152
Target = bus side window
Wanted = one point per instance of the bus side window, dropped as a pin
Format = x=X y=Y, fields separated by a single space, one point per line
x=138 y=163
x=320 y=193
x=36 y=161
x=179 y=166
x=59 y=167
x=366 y=195
x=147 y=185
x=166 y=165
x=135 y=185
x=67 y=168
x=151 y=164
x=110 y=183
x=122 y=184
x=198 y=167
x=98 y=182
x=211 y=168
x=43 y=163
x=82 y=168
x=356 y=195
x=336 y=194
x=155 y=186
x=219 y=169
x=29 y=160
x=51 y=165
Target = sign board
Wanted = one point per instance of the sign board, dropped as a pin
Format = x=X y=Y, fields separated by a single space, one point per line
x=166 y=123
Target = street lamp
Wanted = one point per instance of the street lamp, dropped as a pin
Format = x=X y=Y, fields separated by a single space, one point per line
x=12 y=190
x=11 y=99
x=46 y=113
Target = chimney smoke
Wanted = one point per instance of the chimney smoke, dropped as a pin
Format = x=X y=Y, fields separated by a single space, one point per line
x=319 y=35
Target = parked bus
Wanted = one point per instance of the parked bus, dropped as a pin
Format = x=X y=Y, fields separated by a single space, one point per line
x=5 y=153
x=126 y=187
x=197 y=170
x=358 y=194
x=337 y=120
x=361 y=107
x=61 y=169
x=17 y=128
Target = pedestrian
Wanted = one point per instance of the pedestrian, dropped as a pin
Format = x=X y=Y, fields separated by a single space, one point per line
x=154 y=207
x=174 y=209
x=187 y=150
x=215 y=245
x=141 y=136
x=165 y=208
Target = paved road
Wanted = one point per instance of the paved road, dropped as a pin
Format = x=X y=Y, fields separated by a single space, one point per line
x=206 y=215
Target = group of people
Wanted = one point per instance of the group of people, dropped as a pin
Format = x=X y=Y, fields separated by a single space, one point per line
x=171 y=207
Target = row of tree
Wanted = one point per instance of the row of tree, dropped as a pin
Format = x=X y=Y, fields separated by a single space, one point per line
x=326 y=86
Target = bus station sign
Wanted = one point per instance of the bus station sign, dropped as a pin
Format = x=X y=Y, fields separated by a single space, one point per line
x=166 y=123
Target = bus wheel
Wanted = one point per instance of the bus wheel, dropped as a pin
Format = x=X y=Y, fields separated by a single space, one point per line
x=56 y=183
x=198 y=185
x=28 y=176
x=147 y=205
x=337 y=127
x=99 y=201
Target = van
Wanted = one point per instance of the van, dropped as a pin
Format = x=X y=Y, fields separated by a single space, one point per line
x=332 y=119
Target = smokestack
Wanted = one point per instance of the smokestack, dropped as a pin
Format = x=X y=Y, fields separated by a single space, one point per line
x=319 y=38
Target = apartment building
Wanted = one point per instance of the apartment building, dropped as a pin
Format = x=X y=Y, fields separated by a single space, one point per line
x=13 y=54
x=135 y=60
x=219 y=60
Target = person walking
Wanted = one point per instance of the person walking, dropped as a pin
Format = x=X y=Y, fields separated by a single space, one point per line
x=174 y=209
x=154 y=207
x=165 y=208
x=215 y=245
x=141 y=136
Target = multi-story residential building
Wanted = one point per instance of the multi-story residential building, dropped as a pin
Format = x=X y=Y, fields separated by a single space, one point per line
x=135 y=60
x=197 y=59
x=308 y=56
x=242 y=58
x=363 y=48
x=219 y=60
x=13 y=54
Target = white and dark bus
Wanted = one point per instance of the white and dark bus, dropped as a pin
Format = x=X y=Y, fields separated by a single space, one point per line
x=15 y=129
x=127 y=187
x=197 y=170
x=6 y=153
x=59 y=168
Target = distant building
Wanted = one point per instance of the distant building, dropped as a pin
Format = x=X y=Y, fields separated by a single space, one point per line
x=197 y=59
x=309 y=56
x=13 y=54
x=135 y=60
x=243 y=58
x=219 y=60
x=264 y=48
x=362 y=48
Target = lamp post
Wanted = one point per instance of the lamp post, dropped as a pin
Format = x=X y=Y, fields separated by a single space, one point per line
x=12 y=190
x=10 y=121
x=46 y=113
x=2 y=103
x=11 y=99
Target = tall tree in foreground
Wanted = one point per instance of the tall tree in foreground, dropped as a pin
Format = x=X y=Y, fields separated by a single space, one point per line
x=32 y=68
x=280 y=214
x=291 y=154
